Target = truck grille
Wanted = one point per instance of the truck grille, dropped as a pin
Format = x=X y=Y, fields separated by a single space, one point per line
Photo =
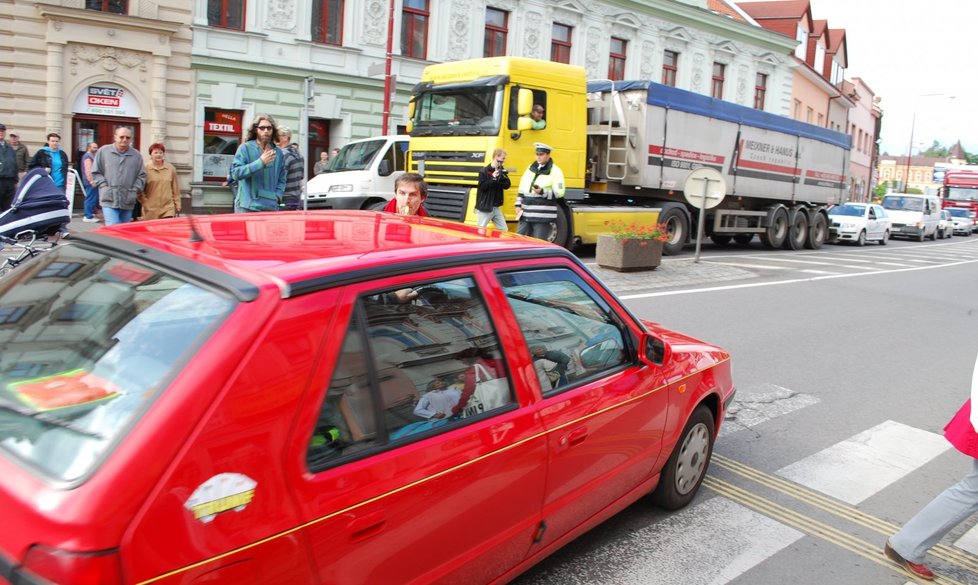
x=447 y=201
x=449 y=165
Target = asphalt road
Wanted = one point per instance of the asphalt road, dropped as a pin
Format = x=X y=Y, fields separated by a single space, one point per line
x=848 y=362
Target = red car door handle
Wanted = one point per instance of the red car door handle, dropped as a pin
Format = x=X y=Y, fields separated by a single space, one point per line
x=366 y=526
x=574 y=437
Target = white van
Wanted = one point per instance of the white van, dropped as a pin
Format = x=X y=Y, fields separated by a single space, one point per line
x=361 y=175
x=914 y=216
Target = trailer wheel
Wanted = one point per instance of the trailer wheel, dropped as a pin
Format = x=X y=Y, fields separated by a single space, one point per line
x=744 y=239
x=677 y=225
x=720 y=239
x=775 y=234
x=818 y=232
x=797 y=231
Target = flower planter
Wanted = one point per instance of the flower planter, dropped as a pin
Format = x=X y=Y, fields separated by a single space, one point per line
x=628 y=255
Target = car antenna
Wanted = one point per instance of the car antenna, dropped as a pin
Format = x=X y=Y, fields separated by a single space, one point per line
x=194 y=234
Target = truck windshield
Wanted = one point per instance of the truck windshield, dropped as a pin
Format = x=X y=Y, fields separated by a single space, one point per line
x=962 y=193
x=355 y=156
x=475 y=111
x=903 y=203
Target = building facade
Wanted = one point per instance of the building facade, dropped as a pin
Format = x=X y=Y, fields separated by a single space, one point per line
x=864 y=119
x=894 y=170
x=255 y=57
x=82 y=71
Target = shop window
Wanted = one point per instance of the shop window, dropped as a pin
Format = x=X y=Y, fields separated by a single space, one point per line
x=222 y=135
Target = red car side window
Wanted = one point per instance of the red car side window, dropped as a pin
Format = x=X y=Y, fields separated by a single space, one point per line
x=427 y=354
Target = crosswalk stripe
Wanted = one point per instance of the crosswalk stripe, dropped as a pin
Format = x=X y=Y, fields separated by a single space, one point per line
x=855 y=469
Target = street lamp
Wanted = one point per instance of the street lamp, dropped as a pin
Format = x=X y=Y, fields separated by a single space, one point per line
x=913 y=123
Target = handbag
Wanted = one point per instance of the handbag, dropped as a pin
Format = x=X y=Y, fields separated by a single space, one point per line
x=489 y=393
x=960 y=432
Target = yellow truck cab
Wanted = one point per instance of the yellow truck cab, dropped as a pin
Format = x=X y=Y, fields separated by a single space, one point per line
x=462 y=111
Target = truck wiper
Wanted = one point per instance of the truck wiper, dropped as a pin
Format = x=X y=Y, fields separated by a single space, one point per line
x=47 y=419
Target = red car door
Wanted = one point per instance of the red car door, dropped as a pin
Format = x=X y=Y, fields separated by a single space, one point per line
x=605 y=412
x=388 y=496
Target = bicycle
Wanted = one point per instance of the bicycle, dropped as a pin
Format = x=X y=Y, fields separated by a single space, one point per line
x=27 y=249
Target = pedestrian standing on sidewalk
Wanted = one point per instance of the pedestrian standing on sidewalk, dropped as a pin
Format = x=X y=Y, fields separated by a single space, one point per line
x=8 y=171
x=88 y=183
x=259 y=168
x=951 y=507
x=52 y=159
x=493 y=180
x=119 y=173
x=294 y=164
x=23 y=155
x=161 y=196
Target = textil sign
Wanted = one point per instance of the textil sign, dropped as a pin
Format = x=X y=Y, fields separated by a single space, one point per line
x=106 y=99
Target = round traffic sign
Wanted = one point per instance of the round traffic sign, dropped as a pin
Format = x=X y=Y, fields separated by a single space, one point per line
x=705 y=183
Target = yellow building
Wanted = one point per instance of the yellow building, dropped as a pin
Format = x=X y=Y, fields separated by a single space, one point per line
x=81 y=72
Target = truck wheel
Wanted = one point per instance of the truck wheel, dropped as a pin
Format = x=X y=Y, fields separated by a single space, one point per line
x=720 y=239
x=561 y=235
x=744 y=239
x=678 y=227
x=775 y=234
x=797 y=232
x=818 y=232
x=686 y=468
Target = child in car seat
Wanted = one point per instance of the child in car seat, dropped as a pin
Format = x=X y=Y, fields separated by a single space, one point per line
x=439 y=400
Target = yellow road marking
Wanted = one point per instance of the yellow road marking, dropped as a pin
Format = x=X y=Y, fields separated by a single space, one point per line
x=872 y=551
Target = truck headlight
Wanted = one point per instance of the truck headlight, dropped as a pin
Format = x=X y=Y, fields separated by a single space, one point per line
x=347 y=188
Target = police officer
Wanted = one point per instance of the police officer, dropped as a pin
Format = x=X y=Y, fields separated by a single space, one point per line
x=536 y=204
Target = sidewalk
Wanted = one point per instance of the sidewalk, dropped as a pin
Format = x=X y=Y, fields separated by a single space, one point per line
x=680 y=272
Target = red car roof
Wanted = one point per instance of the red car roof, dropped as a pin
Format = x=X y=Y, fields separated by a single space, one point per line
x=293 y=246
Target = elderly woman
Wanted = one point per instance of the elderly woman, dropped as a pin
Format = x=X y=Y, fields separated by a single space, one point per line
x=161 y=195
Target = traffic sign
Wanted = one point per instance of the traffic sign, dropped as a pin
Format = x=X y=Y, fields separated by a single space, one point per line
x=704 y=188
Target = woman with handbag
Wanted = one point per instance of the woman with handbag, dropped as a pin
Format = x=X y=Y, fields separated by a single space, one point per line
x=954 y=505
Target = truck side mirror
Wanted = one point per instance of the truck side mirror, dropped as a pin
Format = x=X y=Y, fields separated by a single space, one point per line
x=524 y=103
x=384 y=168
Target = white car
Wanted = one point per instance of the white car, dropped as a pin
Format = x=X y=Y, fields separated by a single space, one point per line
x=859 y=223
x=963 y=221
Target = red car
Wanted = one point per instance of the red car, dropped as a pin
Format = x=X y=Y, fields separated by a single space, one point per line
x=330 y=397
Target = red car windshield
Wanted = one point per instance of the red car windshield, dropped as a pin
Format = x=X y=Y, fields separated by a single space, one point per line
x=86 y=343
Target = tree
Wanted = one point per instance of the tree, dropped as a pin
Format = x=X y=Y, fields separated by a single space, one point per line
x=936 y=151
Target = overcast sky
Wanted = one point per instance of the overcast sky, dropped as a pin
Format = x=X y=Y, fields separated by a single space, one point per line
x=905 y=48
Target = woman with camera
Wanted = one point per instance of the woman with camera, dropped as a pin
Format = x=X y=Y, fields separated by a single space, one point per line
x=493 y=180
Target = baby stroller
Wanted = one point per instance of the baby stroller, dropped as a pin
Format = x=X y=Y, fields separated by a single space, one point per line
x=38 y=206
